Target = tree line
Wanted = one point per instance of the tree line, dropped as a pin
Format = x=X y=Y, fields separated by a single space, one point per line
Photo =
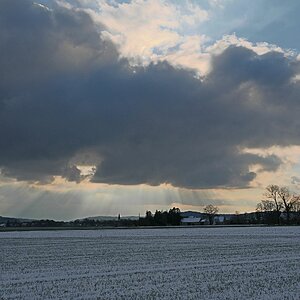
x=161 y=218
x=279 y=206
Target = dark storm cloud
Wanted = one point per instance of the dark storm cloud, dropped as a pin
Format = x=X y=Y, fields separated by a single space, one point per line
x=64 y=91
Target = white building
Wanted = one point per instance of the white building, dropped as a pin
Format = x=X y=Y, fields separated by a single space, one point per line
x=191 y=221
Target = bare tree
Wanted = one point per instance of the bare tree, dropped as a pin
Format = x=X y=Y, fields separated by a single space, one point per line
x=279 y=199
x=288 y=200
x=272 y=193
x=266 y=211
x=296 y=204
x=211 y=211
x=266 y=206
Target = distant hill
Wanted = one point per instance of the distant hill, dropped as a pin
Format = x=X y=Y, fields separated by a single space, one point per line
x=110 y=218
x=195 y=214
x=12 y=219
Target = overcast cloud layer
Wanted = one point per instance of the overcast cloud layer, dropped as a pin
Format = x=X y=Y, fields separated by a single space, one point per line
x=66 y=99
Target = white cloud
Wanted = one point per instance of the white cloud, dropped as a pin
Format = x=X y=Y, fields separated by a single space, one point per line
x=41 y=6
x=296 y=78
x=154 y=30
x=190 y=54
x=259 y=48
x=140 y=26
x=217 y=3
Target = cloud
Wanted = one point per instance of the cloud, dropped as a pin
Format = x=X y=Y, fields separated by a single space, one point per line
x=180 y=33
x=67 y=93
x=295 y=180
x=273 y=21
x=260 y=48
x=152 y=30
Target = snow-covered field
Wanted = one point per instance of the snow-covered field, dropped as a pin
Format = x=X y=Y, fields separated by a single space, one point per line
x=179 y=263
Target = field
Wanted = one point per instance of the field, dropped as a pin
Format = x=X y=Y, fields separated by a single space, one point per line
x=176 y=263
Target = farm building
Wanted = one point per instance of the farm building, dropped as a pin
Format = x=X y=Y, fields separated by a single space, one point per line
x=192 y=221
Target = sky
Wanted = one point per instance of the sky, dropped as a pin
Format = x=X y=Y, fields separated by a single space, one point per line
x=111 y=107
